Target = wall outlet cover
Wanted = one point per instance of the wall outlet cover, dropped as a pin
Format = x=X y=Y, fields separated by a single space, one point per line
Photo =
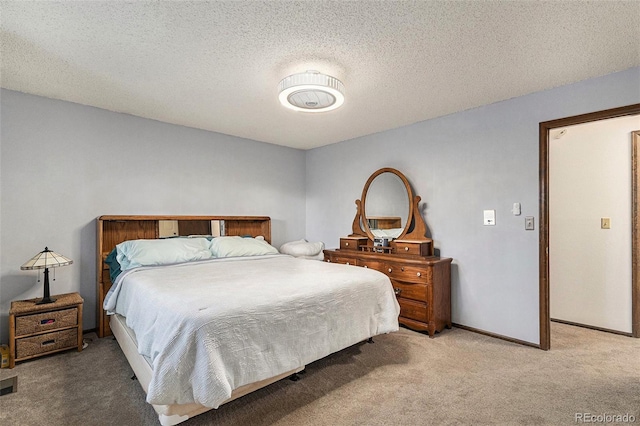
x=529 y=223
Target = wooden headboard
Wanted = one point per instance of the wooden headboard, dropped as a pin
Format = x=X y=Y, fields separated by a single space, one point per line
x=112 y=230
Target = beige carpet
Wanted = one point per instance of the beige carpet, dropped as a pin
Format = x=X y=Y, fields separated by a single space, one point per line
x=403 y=378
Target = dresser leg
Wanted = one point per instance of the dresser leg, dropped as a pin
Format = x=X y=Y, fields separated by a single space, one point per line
x=432 y=331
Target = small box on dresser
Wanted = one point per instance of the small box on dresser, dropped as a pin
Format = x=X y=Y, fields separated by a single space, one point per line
x=353 y=243
x=37 y=330
x=418 y=248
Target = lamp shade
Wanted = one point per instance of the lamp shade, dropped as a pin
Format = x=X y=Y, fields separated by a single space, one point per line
x=46 y=259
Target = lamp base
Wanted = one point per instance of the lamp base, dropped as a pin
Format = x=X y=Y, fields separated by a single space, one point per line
x=47 y=296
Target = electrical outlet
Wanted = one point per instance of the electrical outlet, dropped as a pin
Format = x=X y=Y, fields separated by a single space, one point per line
x=605 y=223
x=529 y=223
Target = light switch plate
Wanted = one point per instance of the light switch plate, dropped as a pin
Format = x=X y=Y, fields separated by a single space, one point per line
x=605 y=222
x=489 y=217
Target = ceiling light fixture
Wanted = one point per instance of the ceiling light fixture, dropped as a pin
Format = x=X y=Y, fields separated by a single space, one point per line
x=311 y=91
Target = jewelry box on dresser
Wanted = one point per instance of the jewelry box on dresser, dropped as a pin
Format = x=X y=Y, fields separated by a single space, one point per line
x=389 y=235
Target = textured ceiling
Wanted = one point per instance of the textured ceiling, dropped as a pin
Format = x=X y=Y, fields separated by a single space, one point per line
x=216 y=65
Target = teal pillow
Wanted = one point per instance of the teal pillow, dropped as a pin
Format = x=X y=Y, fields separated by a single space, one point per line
x=114 y=265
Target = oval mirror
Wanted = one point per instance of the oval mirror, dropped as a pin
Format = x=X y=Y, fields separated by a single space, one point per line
x=386 y=204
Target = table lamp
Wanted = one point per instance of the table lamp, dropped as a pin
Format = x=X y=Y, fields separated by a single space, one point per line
x=44 y=260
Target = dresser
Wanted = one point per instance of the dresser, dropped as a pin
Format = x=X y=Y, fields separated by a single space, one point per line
x=422 y=283
x=389 y=234
x=37 y=330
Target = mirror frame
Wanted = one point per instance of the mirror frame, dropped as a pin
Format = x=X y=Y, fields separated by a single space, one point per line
x=410 y=201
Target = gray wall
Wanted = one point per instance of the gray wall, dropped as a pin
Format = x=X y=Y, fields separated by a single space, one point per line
x=63 y=164
x=461 y=164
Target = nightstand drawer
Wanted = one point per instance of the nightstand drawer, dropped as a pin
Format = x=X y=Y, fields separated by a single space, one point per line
x=36 y=323
x=48 y=342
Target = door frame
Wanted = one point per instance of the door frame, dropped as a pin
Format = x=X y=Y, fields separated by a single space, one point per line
x=544 y=128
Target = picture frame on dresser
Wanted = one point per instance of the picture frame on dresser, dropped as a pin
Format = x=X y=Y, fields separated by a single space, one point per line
x=421 y=280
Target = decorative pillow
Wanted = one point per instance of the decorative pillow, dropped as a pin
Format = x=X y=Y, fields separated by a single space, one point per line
x=238 y=246
x=302 y=248
x=134 y=253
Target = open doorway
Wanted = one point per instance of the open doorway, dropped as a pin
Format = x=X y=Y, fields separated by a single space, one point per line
x=545 y=131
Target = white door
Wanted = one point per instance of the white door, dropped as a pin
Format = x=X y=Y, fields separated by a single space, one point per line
x=590 y=265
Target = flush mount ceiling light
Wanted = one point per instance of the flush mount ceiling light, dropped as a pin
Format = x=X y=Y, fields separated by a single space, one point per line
x=311 y=92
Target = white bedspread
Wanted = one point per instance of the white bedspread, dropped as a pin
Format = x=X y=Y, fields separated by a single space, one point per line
x=212 y=326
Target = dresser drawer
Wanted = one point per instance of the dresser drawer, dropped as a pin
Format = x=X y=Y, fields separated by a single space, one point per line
x=413 y=310
x=372 y=264
x=410 y=290
x=36 y=323
x=48 y=342
x=413 y=274
x=345 y=260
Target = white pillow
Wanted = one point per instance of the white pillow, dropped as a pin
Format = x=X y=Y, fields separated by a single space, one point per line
x=239 y=246
x=134 y=253
x=302 y=248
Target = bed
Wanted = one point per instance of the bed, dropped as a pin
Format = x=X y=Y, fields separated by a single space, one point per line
x=202 y=332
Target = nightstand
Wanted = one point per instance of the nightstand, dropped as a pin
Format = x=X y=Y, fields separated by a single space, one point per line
x=37 y=330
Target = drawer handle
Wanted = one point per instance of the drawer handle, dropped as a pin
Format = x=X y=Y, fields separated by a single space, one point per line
x=346 y=244
x=402 y=269
x=329 y=260
x=390 y=270
x=419 y=274
x=48 y=342
x=397 y=291
x=348 y=263
x=365 y=266
x=47 y=321
x=406 y=249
